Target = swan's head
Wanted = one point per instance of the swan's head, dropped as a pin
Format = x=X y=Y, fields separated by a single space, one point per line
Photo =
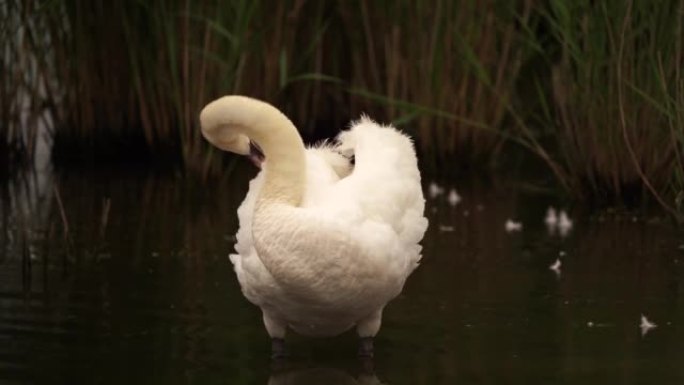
x=236 y=143
x=255 y=154
x=226 y=140
x=231 y=140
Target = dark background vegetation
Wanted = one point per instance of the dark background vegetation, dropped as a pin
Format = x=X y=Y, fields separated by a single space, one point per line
x=591 y=90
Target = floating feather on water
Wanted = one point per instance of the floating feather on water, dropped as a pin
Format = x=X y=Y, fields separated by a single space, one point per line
x=551 y=219
x=564 y=223
x=646 y=325
x=434 y=190
x=453 y=198
x=512 y=226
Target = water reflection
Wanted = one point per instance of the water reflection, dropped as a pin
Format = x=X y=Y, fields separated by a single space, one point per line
x=128 y=281
x=317 y=376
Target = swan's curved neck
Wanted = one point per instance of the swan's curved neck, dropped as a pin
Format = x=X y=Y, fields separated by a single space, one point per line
x=285 y=168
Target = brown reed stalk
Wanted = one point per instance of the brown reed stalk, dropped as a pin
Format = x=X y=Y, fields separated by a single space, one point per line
x=623 y=120
x=612 y=114
x=461 y=58
x=104 y=216
x=68 y=241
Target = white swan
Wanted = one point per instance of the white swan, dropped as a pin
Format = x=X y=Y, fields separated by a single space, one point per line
x=323 y=245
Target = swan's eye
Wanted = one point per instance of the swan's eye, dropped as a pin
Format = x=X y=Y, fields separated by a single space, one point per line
x=255 y=154
x=255 y=151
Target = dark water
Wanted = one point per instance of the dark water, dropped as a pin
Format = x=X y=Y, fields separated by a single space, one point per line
x=139 y=290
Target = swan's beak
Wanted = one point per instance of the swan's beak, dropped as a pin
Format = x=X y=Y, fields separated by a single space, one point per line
x=255 y=154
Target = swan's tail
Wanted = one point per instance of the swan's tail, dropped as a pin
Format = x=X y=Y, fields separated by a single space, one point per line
x=386 y=181
x=380 y=152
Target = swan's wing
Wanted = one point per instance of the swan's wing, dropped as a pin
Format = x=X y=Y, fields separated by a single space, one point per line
x=382 y=198
x=245 y=212
x=323 y=169
x=256 y=281
x=321 y=175
x=328 y=153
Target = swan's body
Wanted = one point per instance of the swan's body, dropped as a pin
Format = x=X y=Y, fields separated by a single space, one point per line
x=323 y=245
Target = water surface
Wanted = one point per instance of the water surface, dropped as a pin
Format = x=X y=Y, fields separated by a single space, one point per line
x=140 y=290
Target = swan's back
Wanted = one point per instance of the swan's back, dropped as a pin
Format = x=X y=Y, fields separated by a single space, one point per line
x=324 y=167
x=382 y=199
x=376 y=210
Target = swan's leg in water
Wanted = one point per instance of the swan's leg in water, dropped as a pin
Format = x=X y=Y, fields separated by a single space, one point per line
x=367 y=328
x=275 y=329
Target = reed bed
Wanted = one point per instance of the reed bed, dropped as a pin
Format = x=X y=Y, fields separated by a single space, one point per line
x=25 y=84
x=128 y=78
x=455 y=63
x=613 y=99
x=594 y=89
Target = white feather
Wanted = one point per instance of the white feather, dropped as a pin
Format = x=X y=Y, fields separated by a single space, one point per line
x=435 y=190
x=551 y=219
x=512 y=226
x=646 y=325
x=564 y=223
x=556 y=266
x=376 y=208
x=453 y=198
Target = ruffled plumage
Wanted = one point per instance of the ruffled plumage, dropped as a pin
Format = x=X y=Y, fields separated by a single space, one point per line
x=376 y=204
